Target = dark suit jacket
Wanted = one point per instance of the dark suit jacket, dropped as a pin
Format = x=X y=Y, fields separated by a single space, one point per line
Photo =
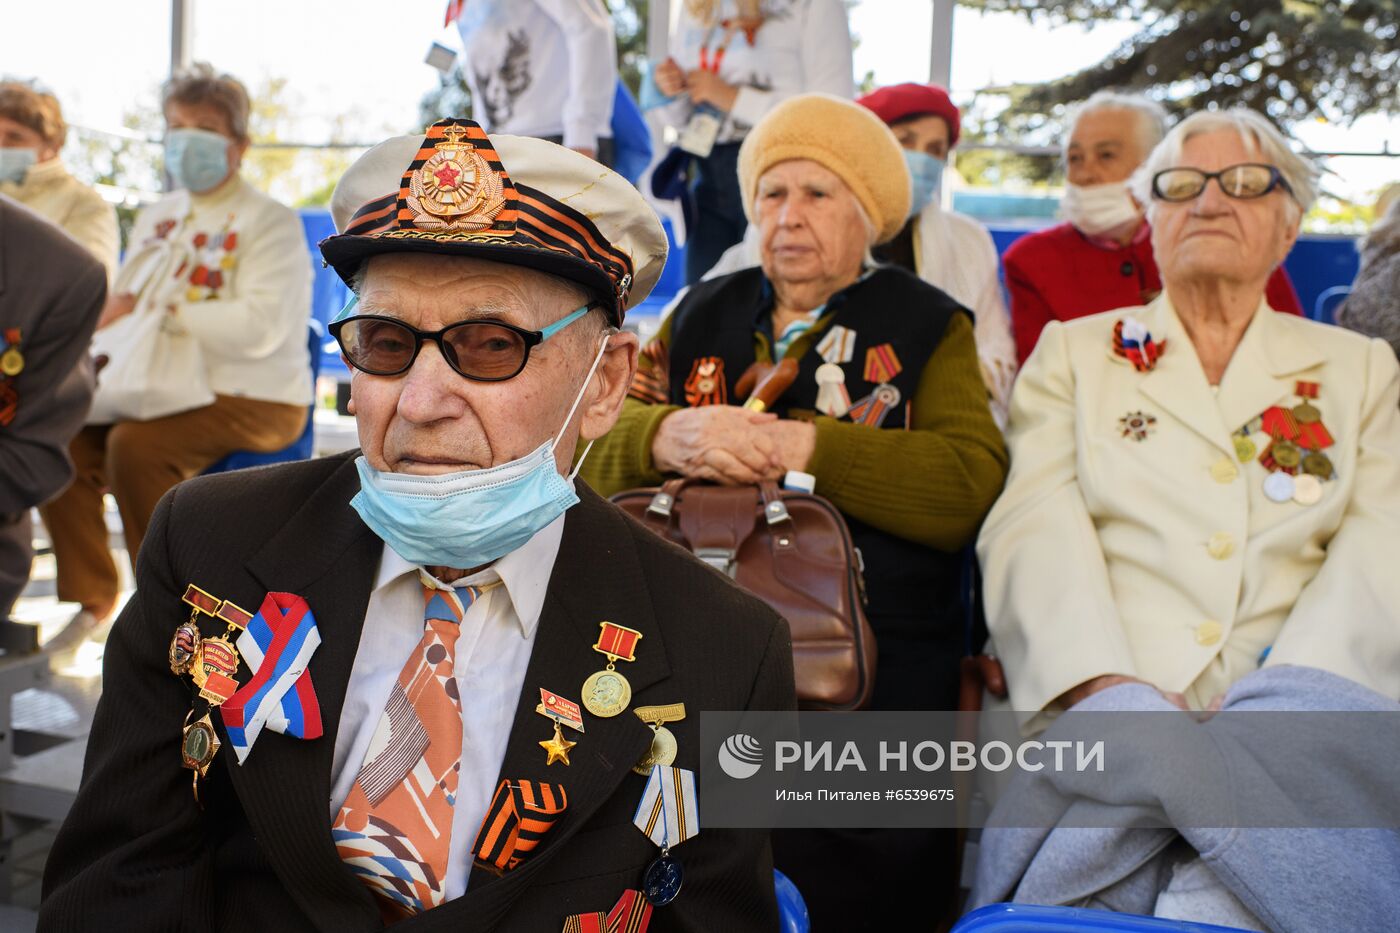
x=52 y=289
x=136 y=853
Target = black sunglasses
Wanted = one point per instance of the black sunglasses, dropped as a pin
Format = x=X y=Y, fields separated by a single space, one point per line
x=1244 y=181
x=484 y=351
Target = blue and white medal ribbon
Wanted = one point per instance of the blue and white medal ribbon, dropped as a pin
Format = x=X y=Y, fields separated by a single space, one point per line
x=668 y=815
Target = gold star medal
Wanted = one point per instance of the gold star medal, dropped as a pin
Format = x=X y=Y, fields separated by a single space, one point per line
x=562 y=712
x=199 y=743
x=607 y=693
x=663 y=741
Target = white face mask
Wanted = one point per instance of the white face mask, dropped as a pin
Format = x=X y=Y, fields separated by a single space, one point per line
x=1097 y=209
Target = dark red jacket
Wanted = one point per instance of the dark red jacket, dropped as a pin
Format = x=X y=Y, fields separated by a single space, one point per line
x=1056 y=274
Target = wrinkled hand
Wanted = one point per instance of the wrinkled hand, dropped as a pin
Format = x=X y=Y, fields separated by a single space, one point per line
x=794 y=441
x=706 y=87
x=118 y=306
x=721 y=443
x=669 y=78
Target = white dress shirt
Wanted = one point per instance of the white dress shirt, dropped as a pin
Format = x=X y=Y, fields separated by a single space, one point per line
x=493 y=652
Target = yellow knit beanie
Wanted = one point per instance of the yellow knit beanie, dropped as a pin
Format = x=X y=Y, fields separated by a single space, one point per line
x=841 y=136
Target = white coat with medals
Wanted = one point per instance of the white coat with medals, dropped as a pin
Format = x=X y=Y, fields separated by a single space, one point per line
x=1162 y=558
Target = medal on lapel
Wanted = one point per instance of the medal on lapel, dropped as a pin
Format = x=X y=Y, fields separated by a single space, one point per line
x=212 y=664
x=668 y=814
x=706 y=385
x=11 y=358
x=607 y=693
x=837 y=345
x=563 y=712
x=832 y=398
x=663 y=741
x=874 y=408
x=1137 y=425
x=1294 y=458
x=881 y=364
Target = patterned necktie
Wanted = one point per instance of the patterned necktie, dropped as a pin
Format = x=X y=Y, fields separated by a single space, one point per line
x=395 y=827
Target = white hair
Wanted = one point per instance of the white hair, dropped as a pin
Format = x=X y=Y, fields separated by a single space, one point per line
x=1151 y=118
x=1260 y=139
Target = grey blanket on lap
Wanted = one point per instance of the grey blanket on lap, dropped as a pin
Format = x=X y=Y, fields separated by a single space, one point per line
x=1292 y=879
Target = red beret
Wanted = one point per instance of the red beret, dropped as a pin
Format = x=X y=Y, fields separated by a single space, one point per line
x=898 y=101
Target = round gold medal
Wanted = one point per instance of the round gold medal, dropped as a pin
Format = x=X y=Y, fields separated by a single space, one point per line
x=1306 y=413
x=662 y=751
x=606 y=693
x=1318 y=465
x=1287 y=454
x=1245 y=449
x=12 y=362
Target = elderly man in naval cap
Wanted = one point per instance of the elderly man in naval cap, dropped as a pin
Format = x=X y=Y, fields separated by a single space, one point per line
x=453 y=687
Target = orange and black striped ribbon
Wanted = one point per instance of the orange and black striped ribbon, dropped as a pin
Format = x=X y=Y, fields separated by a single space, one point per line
x=520 y=815
x=631 y=914
x=652 y=383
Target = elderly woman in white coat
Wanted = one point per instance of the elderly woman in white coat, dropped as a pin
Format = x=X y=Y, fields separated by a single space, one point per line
x=1198 y=486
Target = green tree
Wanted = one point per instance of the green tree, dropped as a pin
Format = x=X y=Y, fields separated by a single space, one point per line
x=1290 y=59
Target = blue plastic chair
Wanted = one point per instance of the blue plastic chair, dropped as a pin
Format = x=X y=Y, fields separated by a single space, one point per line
x=1325 y=308
x=792 y=909
x=301 y=448
x=1029 y=918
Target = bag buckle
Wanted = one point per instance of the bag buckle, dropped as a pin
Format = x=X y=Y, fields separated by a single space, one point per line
x=661 y=504
x=775 y=512
x=720 y=558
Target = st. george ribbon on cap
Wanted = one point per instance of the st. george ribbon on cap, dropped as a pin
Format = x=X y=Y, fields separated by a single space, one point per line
x=509 y=199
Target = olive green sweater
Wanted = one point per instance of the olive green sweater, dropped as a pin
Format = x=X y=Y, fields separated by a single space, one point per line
x=931 y=485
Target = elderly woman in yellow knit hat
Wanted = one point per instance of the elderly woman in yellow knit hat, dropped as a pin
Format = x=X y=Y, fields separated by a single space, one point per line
x=887 y=410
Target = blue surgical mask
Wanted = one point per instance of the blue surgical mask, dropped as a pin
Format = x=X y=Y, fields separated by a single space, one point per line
x=15 y=164
x=470 y=518
x=925 y=174
x=196 y=159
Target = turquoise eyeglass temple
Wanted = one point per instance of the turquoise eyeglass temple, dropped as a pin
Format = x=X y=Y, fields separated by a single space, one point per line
x=563 y=322
x=545 y=333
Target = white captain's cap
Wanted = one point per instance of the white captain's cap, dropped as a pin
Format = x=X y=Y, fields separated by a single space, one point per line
x=510 y=199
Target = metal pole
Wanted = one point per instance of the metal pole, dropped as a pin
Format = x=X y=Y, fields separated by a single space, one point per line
x=940 y=56
x=179 y=34
x=658 y=31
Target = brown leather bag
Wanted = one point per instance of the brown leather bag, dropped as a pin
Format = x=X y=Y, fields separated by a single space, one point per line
x=793 y=551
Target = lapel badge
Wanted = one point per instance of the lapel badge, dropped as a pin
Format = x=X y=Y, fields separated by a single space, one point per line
x=607 y=693
x=631 y=914
x=563 y=713
x=881 y=364
x=668 y=814
x=214 y=663
x=838 y=345
x=1133 y=343
x=706 y=385
x=1137 y=425
x=663 y=741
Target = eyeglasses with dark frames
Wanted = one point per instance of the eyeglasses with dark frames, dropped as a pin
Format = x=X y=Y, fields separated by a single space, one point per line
x=483 y=351
x=1245 y=181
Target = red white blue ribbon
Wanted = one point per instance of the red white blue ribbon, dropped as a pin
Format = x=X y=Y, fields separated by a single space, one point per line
x=277 y=645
